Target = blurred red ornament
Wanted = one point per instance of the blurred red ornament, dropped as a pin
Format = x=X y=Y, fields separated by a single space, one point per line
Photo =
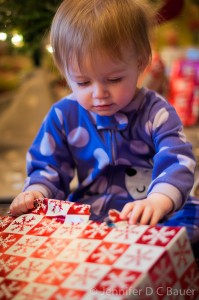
x=170 y=10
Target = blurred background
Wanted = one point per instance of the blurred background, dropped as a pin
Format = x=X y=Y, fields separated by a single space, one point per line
x=30 y=83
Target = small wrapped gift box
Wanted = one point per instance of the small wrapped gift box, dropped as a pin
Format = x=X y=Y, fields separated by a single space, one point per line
x=184 y=90
x=55 y=252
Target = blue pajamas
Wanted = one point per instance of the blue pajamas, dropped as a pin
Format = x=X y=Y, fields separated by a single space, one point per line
x=121 y=158
x=188 y=216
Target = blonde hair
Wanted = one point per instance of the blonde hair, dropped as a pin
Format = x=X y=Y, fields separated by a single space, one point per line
x=80 y=27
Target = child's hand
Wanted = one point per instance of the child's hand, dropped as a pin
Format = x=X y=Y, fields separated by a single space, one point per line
x=148 y=211
x=24 y=202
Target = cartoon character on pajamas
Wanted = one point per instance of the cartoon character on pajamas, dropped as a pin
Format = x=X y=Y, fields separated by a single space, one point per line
x=137 y=181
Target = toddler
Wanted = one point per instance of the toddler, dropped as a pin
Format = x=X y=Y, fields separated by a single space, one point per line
x=125 y=143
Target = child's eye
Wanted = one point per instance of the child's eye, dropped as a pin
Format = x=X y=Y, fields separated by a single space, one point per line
x=85 y=83
x=115 y=80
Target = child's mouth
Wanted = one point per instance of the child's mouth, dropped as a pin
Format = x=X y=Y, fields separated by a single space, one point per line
x=103 y=107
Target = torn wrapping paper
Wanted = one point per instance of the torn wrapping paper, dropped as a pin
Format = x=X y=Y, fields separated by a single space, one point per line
x=55 y=252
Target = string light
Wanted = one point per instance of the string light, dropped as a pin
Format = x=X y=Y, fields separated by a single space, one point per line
x=17 y=40
x=3 y=36
x=49 y=48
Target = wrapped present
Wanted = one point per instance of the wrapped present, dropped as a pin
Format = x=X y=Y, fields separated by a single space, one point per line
x=56 y=252
x=184 y=90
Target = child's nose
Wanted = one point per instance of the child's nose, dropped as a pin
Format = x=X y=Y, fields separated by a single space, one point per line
x=100 y=91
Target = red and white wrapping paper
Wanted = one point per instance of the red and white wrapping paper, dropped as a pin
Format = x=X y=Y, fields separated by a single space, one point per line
x=55 y=252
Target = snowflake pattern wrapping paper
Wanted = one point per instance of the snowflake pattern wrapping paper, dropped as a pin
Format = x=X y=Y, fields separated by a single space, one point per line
x=55 y=252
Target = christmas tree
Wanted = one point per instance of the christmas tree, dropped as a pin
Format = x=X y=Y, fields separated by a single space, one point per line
x=32 y=19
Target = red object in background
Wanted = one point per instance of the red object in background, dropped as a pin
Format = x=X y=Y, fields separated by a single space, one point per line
x=184 y=90
x=170 y=10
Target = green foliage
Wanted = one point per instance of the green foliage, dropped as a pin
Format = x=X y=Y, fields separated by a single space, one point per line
x=31 y=18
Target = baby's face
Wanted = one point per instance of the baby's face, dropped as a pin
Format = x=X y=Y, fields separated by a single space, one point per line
x=105 y=86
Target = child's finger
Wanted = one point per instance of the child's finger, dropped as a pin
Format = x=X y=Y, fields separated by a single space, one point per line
x=29 y=200
x=22 y=203
x=146 y=216
x=136 y=214
x=18 y=205
x=155 y=218
x=126 y=210
x=13 y=206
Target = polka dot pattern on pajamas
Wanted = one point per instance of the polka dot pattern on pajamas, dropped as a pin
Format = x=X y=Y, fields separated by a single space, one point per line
x=28 y=157
x=78 y=137
x=123 y=161
x=101 y=157
x=88 y=180
x=182 y=136
x=50 y=174
x=140 y=146
x=160 y=118
x=187 y=162
x=148 y=127
x=47 y=146
x=59 y=115
x=121 y=118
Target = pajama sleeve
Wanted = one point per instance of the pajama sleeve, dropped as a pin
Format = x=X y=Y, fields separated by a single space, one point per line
x=174 y=162
x=50 y=166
